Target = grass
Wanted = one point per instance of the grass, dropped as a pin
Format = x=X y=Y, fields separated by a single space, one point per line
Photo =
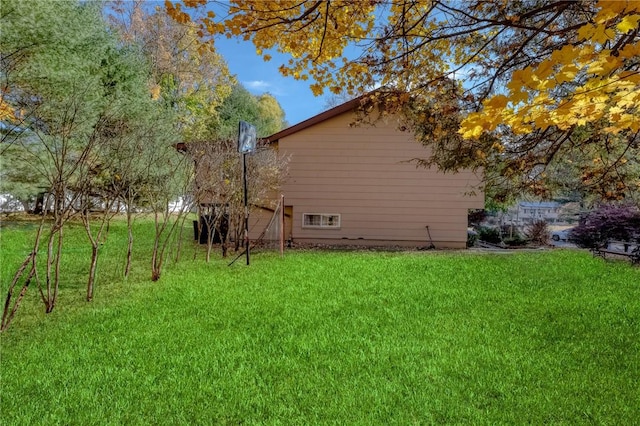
x=334 y=338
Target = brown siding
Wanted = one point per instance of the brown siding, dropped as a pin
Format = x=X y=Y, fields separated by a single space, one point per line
x=365 y=175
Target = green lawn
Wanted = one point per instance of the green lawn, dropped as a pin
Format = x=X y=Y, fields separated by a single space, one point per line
x=332 y=338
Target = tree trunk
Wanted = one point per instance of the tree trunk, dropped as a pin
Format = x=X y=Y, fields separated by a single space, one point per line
x=8 y=312
x=127 y=267
x=155 y=263
x=53 y=268
x=92 y=271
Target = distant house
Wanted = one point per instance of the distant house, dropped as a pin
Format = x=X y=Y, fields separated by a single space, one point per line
x=356 y=185
x=526 y=212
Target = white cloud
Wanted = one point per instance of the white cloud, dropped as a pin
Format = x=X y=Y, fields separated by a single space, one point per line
x=257 y=85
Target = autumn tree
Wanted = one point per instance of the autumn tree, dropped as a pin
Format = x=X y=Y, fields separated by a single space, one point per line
x=217 y=188
x=187 y=75
x=536 y=82
x=271 y=116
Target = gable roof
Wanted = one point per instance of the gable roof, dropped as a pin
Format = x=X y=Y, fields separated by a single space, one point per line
x=323 y=116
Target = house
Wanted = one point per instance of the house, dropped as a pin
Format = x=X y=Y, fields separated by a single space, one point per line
x=527 y=212
x=356 y=185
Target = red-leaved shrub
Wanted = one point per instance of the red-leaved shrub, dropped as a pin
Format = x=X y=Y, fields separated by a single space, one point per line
x=607 y=222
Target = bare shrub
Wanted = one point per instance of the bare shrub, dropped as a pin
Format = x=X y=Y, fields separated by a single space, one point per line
x=538 y=232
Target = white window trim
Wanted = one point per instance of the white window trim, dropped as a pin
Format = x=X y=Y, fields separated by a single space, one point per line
x=322 y=226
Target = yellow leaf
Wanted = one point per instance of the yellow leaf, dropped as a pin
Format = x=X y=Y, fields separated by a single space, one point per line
x=514 y=85
x=155 y=92
x=602 y=34
x=469 y=129
x=473 y=133
x=521 y=77
x=544 y=69
x=316 y=89
x=565 y=55
x=519 y=96
x=614 y=6
x=567 y=73
x=630 y=50
x=498 y=101
x=628 y=121
x=616 y=110
x=542 y=122
x=585 y=32
x=498 y=146
x=193 y=3
x=628 y=23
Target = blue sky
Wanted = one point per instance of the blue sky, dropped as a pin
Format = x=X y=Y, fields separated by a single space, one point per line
x=258 y=76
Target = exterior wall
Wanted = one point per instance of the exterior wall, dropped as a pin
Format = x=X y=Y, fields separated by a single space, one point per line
x=363 y=174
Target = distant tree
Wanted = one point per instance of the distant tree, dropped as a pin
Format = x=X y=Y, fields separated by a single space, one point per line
x=218 y=187
x=271 y=117
x=263 y=111
x=189 y=77
x=168 y=197
x=192 y=81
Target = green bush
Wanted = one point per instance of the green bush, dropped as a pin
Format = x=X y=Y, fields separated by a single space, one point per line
x=490 y=235
x=516 y=240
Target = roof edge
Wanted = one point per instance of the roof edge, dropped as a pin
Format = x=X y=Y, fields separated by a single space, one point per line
x=330 y=113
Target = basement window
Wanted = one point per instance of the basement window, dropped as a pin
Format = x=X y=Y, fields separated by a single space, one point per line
x=320 y=220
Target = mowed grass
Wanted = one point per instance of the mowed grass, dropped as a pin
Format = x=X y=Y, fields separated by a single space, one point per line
x=335 y=338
